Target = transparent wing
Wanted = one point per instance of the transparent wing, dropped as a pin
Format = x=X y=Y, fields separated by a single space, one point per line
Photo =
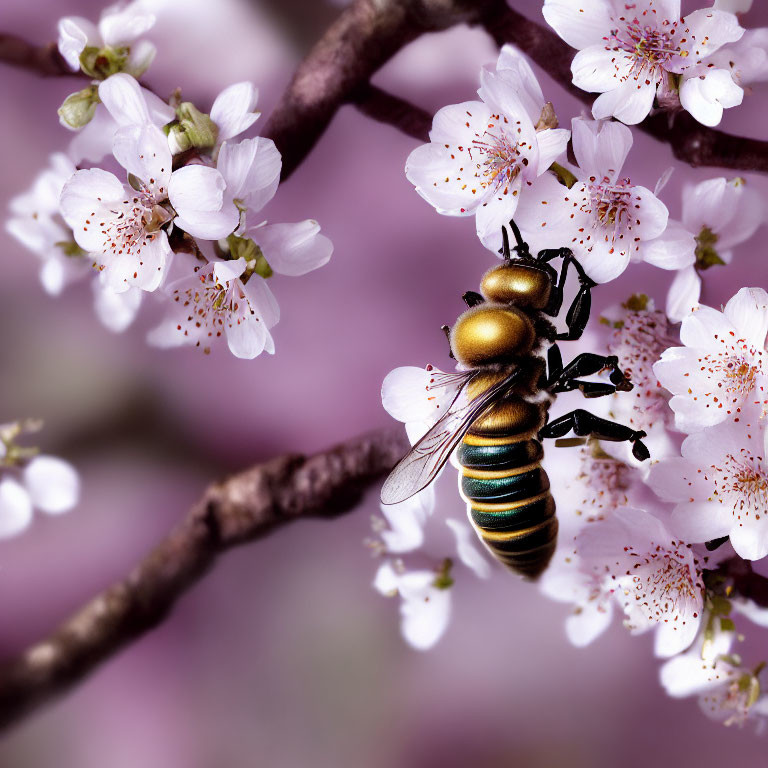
x=419 y=467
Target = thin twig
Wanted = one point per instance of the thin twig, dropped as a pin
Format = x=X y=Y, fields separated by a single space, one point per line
x=43 y=60
x=243 y=508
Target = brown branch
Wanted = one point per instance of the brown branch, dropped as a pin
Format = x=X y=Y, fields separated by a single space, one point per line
x=744 y=581
x=366 y=35
x=383 y=107
x=241 y=509
x=44 y=60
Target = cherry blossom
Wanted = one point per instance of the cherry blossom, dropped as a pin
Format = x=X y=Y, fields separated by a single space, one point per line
x=31 y=481
x=722 y=365
x=605 y=219
x=628 y=52
x=425 y=607
x=484 y=153
x=654 y=576
x=37 y=223
x=720 y=485
x=727 y=691
x=220 y=300
x=107 y=48
x=721 y=214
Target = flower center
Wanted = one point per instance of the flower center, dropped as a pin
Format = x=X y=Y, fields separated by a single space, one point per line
x=743 y=483
x=610 y=203
x=662 y=583
x=650 y=47
x=500 y=158
x=130 y=225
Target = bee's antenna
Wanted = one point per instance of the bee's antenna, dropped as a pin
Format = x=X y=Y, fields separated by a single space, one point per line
x=505 y=247
x=522 y=247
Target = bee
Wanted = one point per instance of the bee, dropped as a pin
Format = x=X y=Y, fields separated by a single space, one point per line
x=511 y=369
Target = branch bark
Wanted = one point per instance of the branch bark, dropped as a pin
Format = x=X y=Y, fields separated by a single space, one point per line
x=43 y=60
x=241 y=509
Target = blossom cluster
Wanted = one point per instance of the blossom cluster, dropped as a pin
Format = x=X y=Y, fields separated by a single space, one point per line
x=654 y=543
x=30 y=480
x=156 y=196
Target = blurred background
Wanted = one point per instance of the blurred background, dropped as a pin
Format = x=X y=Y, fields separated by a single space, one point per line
x=284 y=656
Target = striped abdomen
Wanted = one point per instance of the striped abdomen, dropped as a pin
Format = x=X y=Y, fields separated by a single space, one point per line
x=506 y=488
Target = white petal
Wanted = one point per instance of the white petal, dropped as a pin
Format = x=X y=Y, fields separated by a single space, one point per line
x=495 y=212
x=260 y=295
x=233 y=110
x=15 y=508
x=143 y=151
x=675 y=248
x=82 y=197
x=686 y=675
x=468 y=552
x=147 y=272
x=603 y=262
x=579 y=24
x=674 y=637
x=513 y=63
x=748 y=311
x=705 y=96
x=123 y=97
x=405 y=521
x=248 y=337
x=703 y=327
x=750 y=539
x=711 y=203
x=701 y=521
x=599 y=69
x=197 y=194
x=121 y=25
x=683 y=295
x=630 y=102
x=53 y=484
x=140 y=58
x=601 y=147
x=552 y=144
x=588 y=623
x=733 y=6
x=425 y=610
x=116 y=311
x=404 y=394
x=75 y=33
x=706 y=30
x=386 y=580
x=94 y=141
x=749 y=214
x=293 y=249
x=252 y=171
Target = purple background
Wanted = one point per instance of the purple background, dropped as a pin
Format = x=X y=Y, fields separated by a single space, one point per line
x=283 y=655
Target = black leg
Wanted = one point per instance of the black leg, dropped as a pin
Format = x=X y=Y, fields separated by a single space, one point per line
x=472 y=298
x=446 y=329
x=554 y=365
x=586 y=364
x=586 y=424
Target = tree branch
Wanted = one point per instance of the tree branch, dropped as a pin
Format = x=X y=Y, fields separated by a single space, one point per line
x=383 y=107
x=44 y=60
x=243 y=508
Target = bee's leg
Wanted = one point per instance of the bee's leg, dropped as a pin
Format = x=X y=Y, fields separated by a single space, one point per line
x=586 y=424
x=586 y=364
x=558 y=281
x=446 y=329
x=554 y=365
x=473 y=298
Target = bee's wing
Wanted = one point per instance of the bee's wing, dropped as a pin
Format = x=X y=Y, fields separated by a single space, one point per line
x=419 y=467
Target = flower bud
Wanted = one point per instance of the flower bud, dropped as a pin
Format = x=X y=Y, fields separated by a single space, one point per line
x=78 y=108
x=192 y=129
x=101 y=63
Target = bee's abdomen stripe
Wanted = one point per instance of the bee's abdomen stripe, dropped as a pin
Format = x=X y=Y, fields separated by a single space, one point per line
x=498 y=457
x=516 y=517
x=500 y=490
x=527 y=552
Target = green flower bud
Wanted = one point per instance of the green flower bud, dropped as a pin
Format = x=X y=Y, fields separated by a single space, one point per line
x=192 y=129
x=78 y=108
x=706 y=254
x=245 y=248
x=101 y=63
